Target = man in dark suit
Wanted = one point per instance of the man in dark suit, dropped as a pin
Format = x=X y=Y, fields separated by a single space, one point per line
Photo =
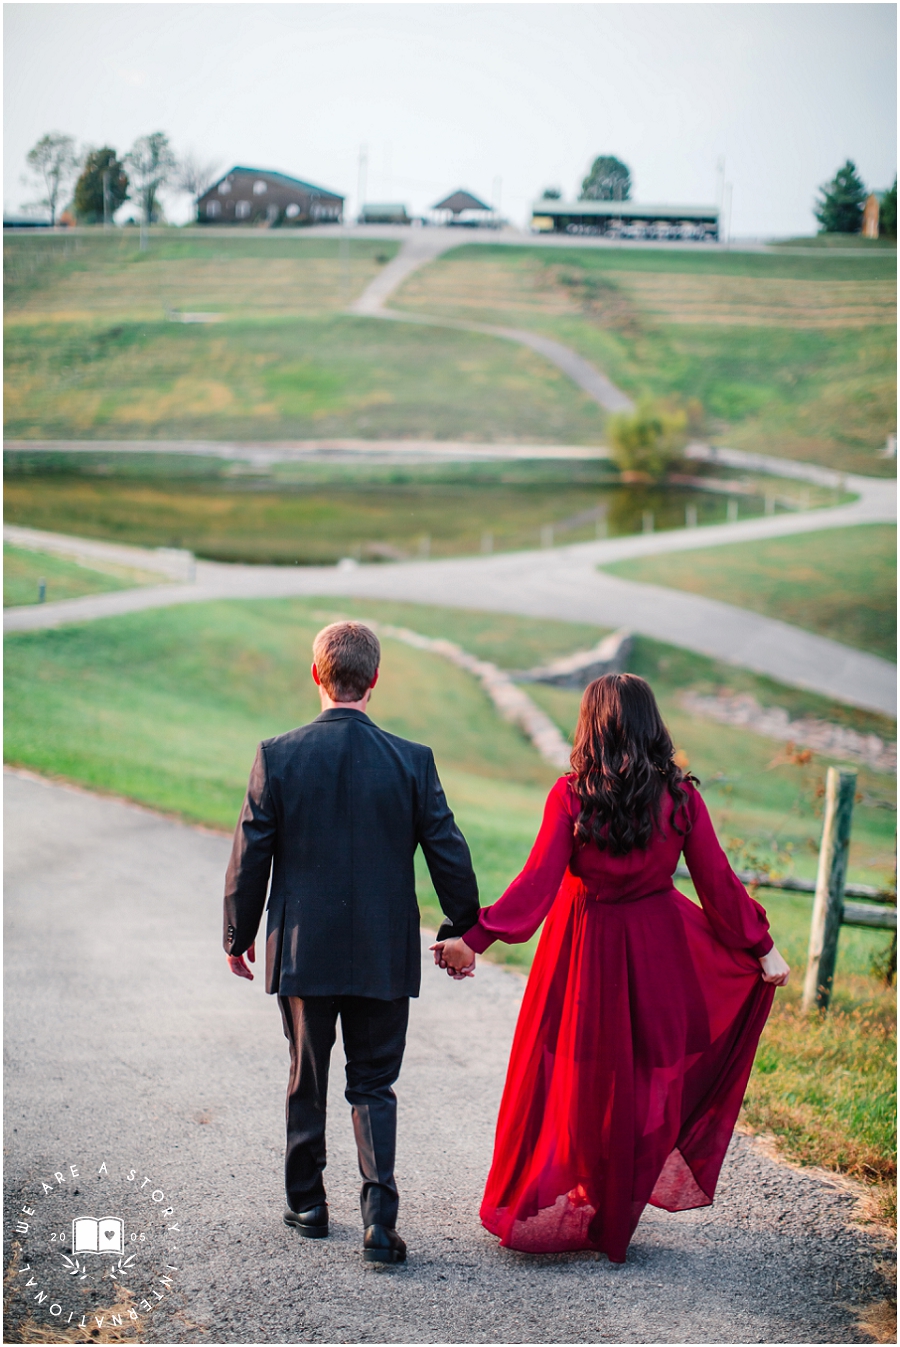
x=334 y=812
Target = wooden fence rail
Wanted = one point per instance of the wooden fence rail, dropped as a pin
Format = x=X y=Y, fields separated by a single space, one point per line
x=759 y=879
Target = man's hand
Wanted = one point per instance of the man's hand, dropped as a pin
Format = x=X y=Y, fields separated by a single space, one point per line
x=774 y=968
x=456 y=957
x=237 y=965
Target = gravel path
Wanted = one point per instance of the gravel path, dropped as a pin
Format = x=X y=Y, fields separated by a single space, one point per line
x=128 y=1043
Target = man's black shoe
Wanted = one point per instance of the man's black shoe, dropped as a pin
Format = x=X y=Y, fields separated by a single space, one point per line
x=313 y=1223
x=381 y=1245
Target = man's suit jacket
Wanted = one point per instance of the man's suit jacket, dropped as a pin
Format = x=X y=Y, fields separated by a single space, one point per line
x=335 y=810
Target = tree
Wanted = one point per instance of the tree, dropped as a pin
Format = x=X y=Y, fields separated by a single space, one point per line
x=840 y=208
x=649 y=441
x=195 y=175
x=152 y=163
x=92 y=204
x=889 y=211
x=53 y=160
x=608 y=180
x=551 y=194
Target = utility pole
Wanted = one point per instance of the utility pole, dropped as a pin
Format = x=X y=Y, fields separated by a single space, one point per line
x=361 y=181
x=726 y=209
x=344 y=251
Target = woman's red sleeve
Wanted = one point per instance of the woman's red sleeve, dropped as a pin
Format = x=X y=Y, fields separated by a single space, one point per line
x=738 y=921
x=518 y=913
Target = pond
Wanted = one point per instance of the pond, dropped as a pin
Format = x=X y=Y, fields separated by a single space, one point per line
x=322 y=514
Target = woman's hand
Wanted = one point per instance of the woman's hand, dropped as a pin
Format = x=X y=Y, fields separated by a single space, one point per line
x=774 y=968
x=455 y=956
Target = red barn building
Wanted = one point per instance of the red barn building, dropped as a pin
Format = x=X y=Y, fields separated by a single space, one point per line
x=259 y=196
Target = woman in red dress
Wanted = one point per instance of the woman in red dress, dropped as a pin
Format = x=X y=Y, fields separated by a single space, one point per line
x=642 y=1012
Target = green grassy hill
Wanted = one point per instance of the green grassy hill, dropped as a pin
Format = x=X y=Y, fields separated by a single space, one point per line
x=90 y=349
x=790 y=355
x=840 y=583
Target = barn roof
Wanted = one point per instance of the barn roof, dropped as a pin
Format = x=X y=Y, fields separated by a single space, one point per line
x=627 y=209
x=459 y=201
x=280 y=177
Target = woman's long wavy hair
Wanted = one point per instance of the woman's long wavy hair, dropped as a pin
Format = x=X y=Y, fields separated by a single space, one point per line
x=623 y=764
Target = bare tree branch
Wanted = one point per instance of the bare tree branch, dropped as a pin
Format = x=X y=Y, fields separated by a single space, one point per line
x=194 y=175
x=53 y=161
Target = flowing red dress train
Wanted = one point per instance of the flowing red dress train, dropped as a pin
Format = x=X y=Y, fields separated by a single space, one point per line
x=636 y=1034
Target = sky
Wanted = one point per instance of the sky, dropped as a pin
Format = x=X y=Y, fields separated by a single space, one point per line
x=502 y=99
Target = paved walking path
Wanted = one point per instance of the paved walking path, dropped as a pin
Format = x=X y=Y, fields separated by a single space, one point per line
x=263 y=453
x=561 y=583
x=129 y=1043
x=417 y=251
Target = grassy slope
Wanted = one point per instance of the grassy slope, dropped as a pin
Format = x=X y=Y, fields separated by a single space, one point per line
x=23 y=570
x=790 y=355
x=167 y=708
x=99 y=277
x=284 y=378
x=221 y=676
x=89 y=351
x=198 y=687
x=840 y=582
x=841 y=242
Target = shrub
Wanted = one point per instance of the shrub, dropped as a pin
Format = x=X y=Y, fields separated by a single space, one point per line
x=649 y=441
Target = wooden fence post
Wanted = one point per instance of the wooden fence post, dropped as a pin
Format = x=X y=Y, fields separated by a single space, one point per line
x=828 y=907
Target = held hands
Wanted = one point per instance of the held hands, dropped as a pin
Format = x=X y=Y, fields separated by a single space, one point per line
x=774 y=968
x=237 y=965
x=456 y=957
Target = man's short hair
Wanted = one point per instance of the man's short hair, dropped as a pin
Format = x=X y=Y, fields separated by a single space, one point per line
x=347 y=655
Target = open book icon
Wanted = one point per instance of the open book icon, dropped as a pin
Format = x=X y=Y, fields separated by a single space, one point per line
x=104 y=1236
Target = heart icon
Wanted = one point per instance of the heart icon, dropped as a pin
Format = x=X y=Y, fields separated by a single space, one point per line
x=110 y=1234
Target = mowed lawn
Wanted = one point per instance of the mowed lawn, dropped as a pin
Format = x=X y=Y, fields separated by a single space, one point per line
x=282 y=379
x=100 y=277
x=789 y=355
x=167 y=707
x=840 y=583
x=23 y=572
x=91 y=349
